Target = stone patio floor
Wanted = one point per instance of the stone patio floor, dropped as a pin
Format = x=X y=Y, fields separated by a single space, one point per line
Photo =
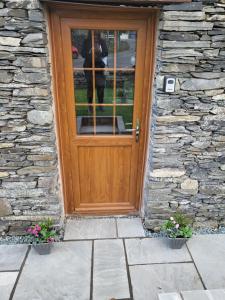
x=106 y=258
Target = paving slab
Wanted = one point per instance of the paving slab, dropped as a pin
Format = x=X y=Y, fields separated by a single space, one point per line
x=154 y=250
x=78 y=229
x=208 y=252
x=150 y=280
x=109 y=273
x=170 y=296
x=7 y=281
x=11 y=257
x=130 y=227
x=204 y=295
x=64 y=274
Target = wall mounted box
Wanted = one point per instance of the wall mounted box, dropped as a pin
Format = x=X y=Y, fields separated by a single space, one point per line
x=169 y=84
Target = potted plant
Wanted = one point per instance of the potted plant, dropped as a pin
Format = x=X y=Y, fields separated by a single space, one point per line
x=42 y=236
x=178 y=230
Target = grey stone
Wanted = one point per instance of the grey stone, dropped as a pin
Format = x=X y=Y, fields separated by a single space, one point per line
x=6 y=145
x=64 y=274
x=190 y=184
x=178 y=68
x=40 y=117
x=175 y=119
x=21 y=193
x=211 y=53
x=4 y=174
x=215 y=252
x=152 y=250
x=7 y=55
x=95 y=228
x=208 y=75
x=204 y=295
x=35 y=15
x=179 y=36
x=35 y=170
x=35 y=91
x=110 y=274
x=18 y=184
x=202 y=84
x=5 y=76
x=193 y=6
x=7 y=281
x=33 y=37
x=9 y=41
x=150 y=280
x=12 y=257
x=183 y=15
x=181 y=53
x=31 y=62
x=186 y=26
x=170 y=296
x=130 y=227
x=30 y=77
x=5 y=208
x=181 y=44
x=167 y=172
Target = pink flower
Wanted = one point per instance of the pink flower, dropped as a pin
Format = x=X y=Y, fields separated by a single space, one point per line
x=174 y=222
x=177 y=226
x=50 y=240
x=37 y=227
x=29 y=230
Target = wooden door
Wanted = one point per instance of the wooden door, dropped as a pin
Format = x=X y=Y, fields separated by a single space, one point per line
x=103 y=67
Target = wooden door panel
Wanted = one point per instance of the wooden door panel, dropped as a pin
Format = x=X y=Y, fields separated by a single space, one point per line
x=104 y=174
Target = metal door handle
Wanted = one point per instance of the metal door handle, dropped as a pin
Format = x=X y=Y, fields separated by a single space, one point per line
x=137 y=130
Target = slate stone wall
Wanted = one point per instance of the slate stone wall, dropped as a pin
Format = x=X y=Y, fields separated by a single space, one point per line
x=186 y=162
x=28 y=155
x=187 y=146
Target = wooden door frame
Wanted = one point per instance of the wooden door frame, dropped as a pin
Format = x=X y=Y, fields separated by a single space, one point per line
x=55 y=11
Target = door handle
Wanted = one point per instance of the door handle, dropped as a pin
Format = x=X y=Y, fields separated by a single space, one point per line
x=137 y=130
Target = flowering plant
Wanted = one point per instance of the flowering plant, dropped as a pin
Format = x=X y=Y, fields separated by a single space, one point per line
x=42 y=232
x=178 y=226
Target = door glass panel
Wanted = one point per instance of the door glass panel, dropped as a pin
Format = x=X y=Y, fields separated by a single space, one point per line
x=126 y=49
x=85 y=120
x=83 y=86
x=104 y=119
x=124 y=87
x=104 y=76
x=125 y=116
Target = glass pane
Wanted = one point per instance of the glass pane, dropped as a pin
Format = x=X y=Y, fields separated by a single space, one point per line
x=104 y=41
x=82 y=46
x=126 y=49
x=83 y=86
x=78 y=37
x=85 y=123
x=125 y=87
x=104 y=120
x=124 y=116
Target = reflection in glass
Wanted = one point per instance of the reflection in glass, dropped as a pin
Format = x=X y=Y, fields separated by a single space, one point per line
x=125 y=87
x=126 y=49
x=125 y=115
x=104 y=120
x=83 y=89
x=85 y=124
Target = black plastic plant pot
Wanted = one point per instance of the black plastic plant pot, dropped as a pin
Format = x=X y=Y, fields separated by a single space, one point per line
x=43 y=248
x=177 y=243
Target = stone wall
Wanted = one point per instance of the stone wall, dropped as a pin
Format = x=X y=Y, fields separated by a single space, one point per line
x=186 y=164
x=186 y=167
x=28 y=154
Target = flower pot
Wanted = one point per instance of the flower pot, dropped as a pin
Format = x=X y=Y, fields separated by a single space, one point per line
x=176 y=243
x=43 y=248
